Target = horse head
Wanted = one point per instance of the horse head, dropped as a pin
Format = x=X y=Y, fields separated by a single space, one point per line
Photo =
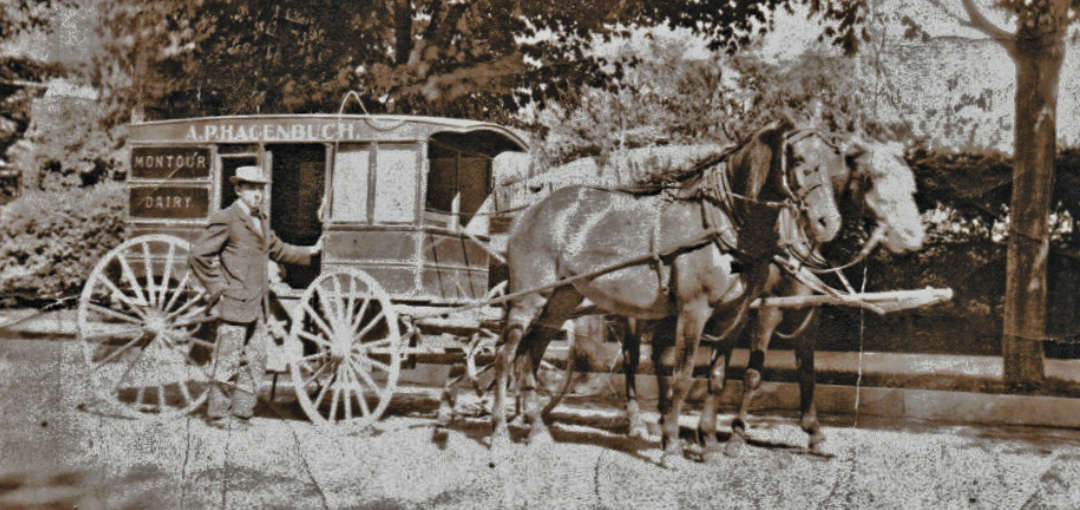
x=881 y=181
x=793 y=167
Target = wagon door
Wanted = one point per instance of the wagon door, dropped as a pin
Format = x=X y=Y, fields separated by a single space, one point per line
x=298 y=173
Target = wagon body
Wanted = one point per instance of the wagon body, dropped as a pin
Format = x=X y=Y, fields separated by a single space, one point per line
x=406 y=199
x=404 y=205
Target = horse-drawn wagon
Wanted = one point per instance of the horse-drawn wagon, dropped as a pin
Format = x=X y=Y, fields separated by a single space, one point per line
x=405 y=208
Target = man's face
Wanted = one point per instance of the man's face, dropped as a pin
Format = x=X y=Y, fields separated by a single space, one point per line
x=251 y=193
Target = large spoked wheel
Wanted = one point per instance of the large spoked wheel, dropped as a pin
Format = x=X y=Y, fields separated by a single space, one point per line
x=352 y=349
x=139 y=316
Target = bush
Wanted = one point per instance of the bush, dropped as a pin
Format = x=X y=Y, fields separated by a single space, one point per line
x=50 y=241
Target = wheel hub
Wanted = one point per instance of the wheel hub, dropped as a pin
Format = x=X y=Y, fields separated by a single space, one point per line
x=156 y=322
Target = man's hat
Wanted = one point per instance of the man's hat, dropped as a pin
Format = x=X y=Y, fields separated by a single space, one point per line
x=252 y=174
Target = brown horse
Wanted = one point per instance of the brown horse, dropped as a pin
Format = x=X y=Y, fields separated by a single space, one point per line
x=706 y=252
x=880 y=184
x=883 y=186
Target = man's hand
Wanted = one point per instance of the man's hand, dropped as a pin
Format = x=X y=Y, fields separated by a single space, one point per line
x=317 y=247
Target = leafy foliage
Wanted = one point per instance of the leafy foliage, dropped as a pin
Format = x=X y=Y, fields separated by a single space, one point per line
x=66 y=144
x=50 y=241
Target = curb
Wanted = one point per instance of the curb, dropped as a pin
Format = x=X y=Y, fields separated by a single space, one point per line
x=893 y=403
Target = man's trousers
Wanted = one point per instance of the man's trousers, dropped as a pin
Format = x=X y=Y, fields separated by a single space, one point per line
x=239 y=367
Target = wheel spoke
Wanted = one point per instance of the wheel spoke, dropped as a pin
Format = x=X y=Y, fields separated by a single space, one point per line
x=330 y=311
x=121 y=296
x=113 y=355
x=129 y=275
x=334 y=397
x=167 y=274
x=323 y=391
x=349 y=302
x=359 y=391
x=339 y=306
x=317 y=339
x=179 y=290
x=161 y=397
x=196 y=317
x=351 y=388
x=179 y=311
x=317 y=355
x=148 y=266
x=374 y=321
x=385 y=342
x=113 y=313
x=378 y=364
x=354 y=321
x=370 y=382
x=318 y=321
x=315 y=375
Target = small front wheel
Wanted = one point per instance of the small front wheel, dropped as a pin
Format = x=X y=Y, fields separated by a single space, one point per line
x=351 y=358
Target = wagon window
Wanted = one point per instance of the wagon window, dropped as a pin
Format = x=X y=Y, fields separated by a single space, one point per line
x=396 y=170
x=350 y=194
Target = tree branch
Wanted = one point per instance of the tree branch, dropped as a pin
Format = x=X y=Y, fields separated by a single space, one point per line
x=979 y=22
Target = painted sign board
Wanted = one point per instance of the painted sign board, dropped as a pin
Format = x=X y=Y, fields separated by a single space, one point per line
x=170 y=162
x=169 y=202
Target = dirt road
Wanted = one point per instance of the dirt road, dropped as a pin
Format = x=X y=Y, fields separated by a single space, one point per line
x=49 y=424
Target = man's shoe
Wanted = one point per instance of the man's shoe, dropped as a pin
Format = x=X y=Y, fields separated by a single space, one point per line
x=229 y=423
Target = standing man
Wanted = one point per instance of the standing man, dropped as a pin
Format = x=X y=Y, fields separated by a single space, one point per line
x=230 y=259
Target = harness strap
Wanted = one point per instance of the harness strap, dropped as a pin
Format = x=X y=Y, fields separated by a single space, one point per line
x=654 y=244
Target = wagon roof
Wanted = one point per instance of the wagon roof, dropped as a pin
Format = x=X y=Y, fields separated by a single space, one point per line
x=363 y=127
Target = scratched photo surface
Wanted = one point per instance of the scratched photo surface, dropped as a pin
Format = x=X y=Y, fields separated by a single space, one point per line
x=587 y=255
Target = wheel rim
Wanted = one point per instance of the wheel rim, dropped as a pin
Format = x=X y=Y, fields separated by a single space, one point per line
x=137 y=321
x=351 y=359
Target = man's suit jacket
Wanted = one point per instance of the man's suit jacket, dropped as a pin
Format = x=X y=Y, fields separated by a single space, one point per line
x=240 y=276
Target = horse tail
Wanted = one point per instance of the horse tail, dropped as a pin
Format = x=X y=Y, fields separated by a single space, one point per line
x=567 y=381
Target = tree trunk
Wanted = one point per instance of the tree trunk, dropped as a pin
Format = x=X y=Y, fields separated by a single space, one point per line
x=1038 y=55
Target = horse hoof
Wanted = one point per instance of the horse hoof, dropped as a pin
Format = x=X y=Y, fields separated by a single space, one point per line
x=639 y=432
x=816 y=440
x=445 y=416
x=710 y=454
x=540 y=436
x=734 y=446
x=673 y=458
x=500 y=448
x=439 y=436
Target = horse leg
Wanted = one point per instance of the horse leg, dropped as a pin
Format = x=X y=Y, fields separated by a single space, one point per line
x=718 y=368
x=631 y=353
x=518 y=319
x=760 y=334
x=663 y=360
x=693 y=313
x=804 y=362
x=561 y=304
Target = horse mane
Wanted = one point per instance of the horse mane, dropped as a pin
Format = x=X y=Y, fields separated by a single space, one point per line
x=682 y=183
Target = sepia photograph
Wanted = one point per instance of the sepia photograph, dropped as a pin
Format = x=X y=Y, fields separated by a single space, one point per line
x=590 y=254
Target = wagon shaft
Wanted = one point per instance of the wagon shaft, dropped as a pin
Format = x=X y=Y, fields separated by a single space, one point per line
x=889 y=301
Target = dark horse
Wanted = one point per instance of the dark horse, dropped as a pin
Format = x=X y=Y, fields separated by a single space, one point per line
x=878 y=183
x=700 y=254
